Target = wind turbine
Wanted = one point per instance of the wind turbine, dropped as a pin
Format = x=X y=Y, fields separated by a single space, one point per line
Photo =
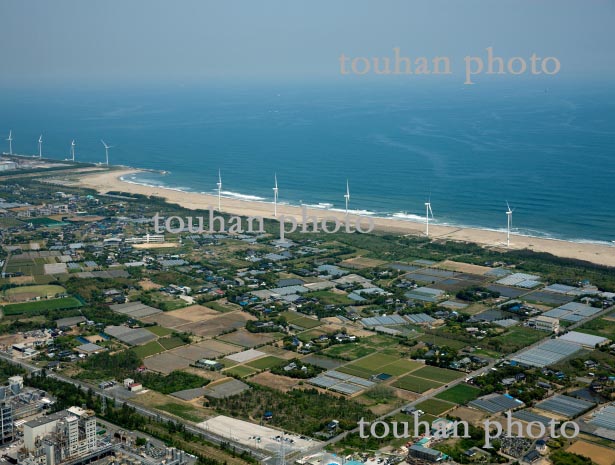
x=509 y=213
x=72 y=149
x=428 y=212
x=10 y=140
x=40 y=146
x=219 y=185
x=275 y=195
x=107 y=147
x=347 y=196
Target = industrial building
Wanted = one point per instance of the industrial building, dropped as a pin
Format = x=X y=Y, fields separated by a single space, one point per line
x=545 y=323
x=60 y=437
x=425 y=453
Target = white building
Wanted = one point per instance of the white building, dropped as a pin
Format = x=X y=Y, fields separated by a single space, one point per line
x=61 y=436
x=545 y=323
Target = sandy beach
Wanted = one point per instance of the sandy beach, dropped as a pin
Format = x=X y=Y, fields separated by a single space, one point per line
x=596 y=253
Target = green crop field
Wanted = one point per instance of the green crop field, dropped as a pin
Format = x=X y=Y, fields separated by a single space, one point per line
x=401 y=367
x=146 y=350
x=380 y=363
x=460 y=394
x=265 y=363
x=441 y=375
x=39 y=307
x=414 y=384
x=443 y=341
x=159 y=330
x=240 y=370
x=171 y=342
x=435 y=406
x=350 y=351
x=300 y=320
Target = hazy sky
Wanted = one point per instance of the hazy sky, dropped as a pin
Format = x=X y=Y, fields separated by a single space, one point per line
x=118 y=40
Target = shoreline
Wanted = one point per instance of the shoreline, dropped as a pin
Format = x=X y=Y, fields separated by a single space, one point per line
x=597 y=253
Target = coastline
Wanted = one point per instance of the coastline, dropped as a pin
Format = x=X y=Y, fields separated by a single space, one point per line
x=601 y=254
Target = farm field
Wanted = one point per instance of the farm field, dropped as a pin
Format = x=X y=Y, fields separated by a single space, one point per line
x=459 y=394
x=265 y=363
x=23 y=293
x=40 y=306
x=441 y=375
x=171 y=342
x=159 y=330
x=149 y=349
x=240 y=370
x=435 y=406
x=300 y=320
x=414 y=384
x=380 y=363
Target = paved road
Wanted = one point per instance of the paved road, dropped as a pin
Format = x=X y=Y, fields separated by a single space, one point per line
x=476 y=373
x=146 y=412
x=259 y=454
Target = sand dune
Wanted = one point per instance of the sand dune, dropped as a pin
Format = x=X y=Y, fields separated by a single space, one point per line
x=596 y=253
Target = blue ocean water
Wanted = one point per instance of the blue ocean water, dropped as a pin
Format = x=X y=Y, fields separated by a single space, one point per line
x=547 y=150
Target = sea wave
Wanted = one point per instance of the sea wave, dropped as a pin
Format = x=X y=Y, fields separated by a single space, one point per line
x=402 y=216
x=237 y=195
x=410 y=217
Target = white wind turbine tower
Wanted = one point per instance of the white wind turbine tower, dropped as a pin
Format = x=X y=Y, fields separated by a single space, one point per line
x=40 y=146
x=10 y=141
x=428 y=212
x=72 y=150
x=219 y=185
x=275 y=195
x=107 y=147
x=509 y=213
x=347 y=196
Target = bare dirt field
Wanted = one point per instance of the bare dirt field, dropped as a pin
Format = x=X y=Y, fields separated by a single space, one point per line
x=213 y=325
x=362 y=262
x=166 y=362
x=165 y=320
x=463 y=267
x=220 y=347
x=193 y=313
x=148 y=285
x=600 y=455
x=247 y=339
x=281 y=383
x=472 y=416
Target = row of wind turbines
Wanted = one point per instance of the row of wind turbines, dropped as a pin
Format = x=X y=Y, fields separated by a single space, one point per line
x=428 y=211
x=72 y=147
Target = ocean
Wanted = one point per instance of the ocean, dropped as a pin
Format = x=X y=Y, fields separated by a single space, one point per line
x=545 y=149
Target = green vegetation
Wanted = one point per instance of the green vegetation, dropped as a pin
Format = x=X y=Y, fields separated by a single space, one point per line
x=171 y=342
x=329 y=298
x=146 y=350
x=41 y=306
x=38 y=291
x=265 y=363
x=159 y=331
x=440 y=375
x=302 y=411
x=414 y=384
x=240 y=371
x=173 y=382
x=434 y=406
x=460 y=394
x=185 y=412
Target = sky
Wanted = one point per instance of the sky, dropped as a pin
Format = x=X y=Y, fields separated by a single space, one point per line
x=192 y=40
